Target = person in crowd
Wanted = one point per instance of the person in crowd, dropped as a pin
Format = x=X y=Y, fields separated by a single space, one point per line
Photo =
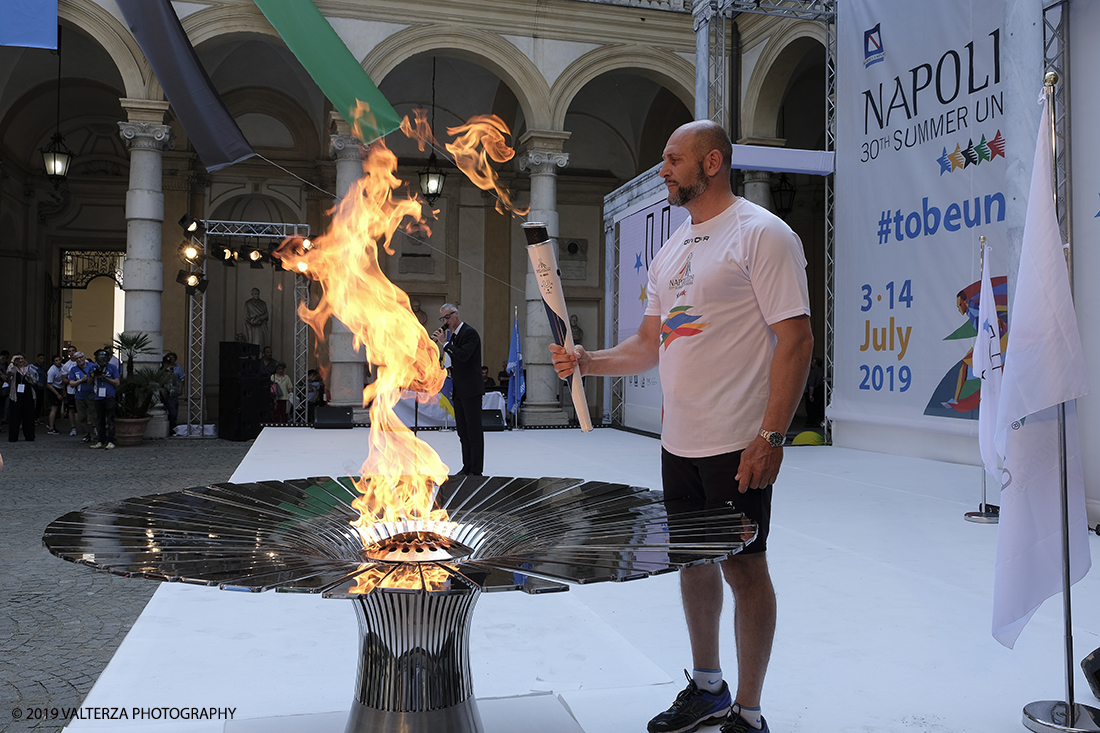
x=737 y=274
x=282 y=387
x=41 y=370
x=503 y=376
x=268 y=364
x=489 y=382
x=463 y=345
x=172 y=402
x=106 y=379
x=21 y=378
x=55 y=394
x=5 y=362
x=815 y=395
x=68 y=356
x=81 y=379
x=316 y=387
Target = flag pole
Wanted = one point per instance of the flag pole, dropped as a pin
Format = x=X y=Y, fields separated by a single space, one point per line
x=1056 y=715
x=985 y=514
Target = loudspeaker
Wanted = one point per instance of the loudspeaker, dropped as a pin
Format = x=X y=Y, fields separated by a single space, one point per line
x=493 y=420
x=326 y=416
x=237 y=350
x=244 y=402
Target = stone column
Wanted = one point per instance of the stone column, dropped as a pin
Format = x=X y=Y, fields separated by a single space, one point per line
x=542 y=158
x=758 y=188
x=348 y=364
x=143 y=271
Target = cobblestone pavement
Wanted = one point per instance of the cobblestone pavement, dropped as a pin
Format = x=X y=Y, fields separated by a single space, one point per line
x=61 y=623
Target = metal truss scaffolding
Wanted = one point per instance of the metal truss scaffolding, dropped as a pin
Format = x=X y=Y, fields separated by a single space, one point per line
x=196 y=337
x=1056 y=21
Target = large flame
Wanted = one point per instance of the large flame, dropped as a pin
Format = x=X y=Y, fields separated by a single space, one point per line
x=401 y=472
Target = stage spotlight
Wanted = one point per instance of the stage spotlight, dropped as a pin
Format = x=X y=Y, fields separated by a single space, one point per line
x=191 y=252
x=191 y=225
x=253 y=256
x=194 y=282
x=307 y=244
x=227 y=255
x=303 y=266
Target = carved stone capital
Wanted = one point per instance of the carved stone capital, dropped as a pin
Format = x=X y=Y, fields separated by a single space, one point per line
x=757 y=176
x=146 y=136
x=345 y=147
x=542 y=161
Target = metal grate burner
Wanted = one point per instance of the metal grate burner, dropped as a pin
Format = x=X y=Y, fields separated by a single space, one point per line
x=413 y=583
x=417 y=547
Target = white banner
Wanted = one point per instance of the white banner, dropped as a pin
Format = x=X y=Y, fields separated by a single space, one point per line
x=922 y=156
x=641 y=235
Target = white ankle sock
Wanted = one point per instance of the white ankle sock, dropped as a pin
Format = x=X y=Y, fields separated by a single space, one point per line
x=707 y=679
x=751 y=716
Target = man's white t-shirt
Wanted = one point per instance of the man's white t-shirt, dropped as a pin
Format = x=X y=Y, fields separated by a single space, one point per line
x=717 y=287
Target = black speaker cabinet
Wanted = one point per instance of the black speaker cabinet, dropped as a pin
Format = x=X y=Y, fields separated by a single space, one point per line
x=327 y=417
x=493 y=420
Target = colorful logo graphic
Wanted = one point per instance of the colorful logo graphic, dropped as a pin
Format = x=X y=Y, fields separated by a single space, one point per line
x=683 y=277
x=972 y=154
x=959 y=392
x=680 y=323
x=872 y=46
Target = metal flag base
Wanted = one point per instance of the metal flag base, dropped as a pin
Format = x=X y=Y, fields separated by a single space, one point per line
x=986 y=514
x=1050 y=715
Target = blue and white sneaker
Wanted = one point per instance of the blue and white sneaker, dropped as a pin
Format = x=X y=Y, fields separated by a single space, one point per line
x=692 y=708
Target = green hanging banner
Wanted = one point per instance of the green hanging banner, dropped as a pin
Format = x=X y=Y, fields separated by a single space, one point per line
x=332 y=66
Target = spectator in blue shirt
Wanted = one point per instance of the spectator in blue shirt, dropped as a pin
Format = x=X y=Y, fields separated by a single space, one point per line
x=106 y=378
x=81 y=379
x=172 y=402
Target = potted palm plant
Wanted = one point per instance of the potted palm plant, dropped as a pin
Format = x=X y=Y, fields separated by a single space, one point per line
x=131 y=344
x=135 y=396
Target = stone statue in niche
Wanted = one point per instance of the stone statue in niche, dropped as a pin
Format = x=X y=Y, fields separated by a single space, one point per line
x=420 y=315
x=256 y=320
x=575 y=327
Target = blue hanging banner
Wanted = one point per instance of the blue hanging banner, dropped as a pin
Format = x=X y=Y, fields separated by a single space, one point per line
x=28 y=23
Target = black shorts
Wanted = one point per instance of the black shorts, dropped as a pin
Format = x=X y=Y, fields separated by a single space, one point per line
x=698 y=484
x=52 y=400
x=70 y=401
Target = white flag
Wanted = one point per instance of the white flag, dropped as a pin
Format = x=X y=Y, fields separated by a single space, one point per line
x=1044 y=366
x=988 y=362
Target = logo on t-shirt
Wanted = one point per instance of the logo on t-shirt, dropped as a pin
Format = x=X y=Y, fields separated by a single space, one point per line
x=680 y=323
x=683 y=277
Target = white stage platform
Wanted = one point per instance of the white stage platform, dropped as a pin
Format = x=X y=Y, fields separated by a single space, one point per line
x=884 y=613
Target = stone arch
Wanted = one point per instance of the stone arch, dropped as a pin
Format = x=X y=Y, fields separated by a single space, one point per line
x=222 y=20
x=487 y=50
x=282 y=108
x=137 y=76
x=769 y=78
x=663 y=67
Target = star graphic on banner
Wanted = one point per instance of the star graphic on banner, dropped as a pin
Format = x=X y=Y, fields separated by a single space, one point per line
x=643 y=296
x=945 y=162
x=638 y=262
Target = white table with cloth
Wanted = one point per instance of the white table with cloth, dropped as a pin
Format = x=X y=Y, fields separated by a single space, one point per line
x=430 y=413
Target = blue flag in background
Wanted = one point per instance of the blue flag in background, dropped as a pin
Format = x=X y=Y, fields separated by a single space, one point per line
x=516 y=387
x=28 y=23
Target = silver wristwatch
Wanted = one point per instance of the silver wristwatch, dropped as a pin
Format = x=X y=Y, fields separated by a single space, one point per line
x=774 y=438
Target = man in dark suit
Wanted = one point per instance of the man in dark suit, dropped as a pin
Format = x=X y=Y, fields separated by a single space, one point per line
x=463 y=344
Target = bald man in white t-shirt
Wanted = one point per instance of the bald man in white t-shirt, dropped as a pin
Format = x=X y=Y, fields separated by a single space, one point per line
x=727 y=322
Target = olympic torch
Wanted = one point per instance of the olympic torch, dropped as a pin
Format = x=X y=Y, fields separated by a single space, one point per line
x=545 y=262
